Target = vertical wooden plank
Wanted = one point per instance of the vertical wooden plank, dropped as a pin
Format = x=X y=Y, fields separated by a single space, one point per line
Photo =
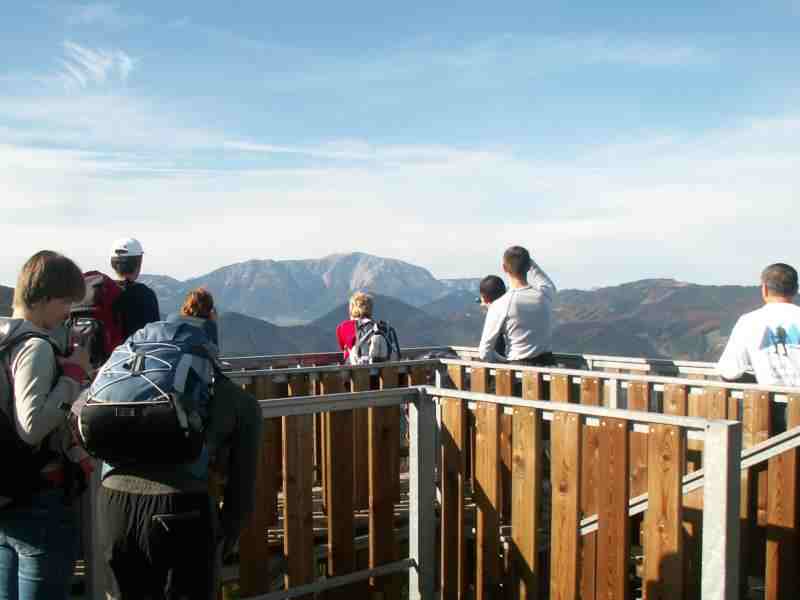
x=590 y=395
x=756 y=428
x=504 y=387
x=561 y=389
x=716 y=400
x=254 y=574
x=479 y=380
x=638 y=399
x=298 y=500
x=663 y=560
x=676 y=402
x=454 y=438
x=613 y=534
x=383 y=446
x=456 y=374
x=419 y=376
x=390 y=378
x=781 y=579
x=486 y=497
x=532 y=385
x=339 y=454
x=676 y=398
x=359 y=382
x=565 y=477
x=526 y=488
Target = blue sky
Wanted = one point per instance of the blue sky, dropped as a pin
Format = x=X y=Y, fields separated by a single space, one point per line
x=616 y=140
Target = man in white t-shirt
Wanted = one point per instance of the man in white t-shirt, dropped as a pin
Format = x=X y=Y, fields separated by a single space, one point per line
x=766 y=341
x=524 y=314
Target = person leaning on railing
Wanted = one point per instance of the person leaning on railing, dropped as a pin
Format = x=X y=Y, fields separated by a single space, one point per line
x=524 y=314
x=766 y=341
x=160 y=531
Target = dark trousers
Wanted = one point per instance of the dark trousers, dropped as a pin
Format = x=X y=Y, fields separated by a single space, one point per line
x=545 y=359
x=158 y=546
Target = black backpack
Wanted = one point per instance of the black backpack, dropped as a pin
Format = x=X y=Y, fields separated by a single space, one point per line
x=21 y=463
x=94 y=322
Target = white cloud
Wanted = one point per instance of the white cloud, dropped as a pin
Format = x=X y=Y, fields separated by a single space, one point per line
x=84 y=66
x=710 y=208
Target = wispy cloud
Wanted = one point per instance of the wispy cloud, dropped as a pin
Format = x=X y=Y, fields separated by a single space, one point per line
x=106 y=14
x=83 y=66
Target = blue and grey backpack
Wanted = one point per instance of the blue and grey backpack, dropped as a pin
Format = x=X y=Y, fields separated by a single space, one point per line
x=150 y=401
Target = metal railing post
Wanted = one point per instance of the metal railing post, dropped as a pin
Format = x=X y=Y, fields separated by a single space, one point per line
x=721 y=465
x=421 y=511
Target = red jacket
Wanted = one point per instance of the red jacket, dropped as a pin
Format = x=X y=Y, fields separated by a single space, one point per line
x=346 y=333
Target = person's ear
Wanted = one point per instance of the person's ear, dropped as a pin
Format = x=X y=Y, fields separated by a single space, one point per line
x=764 y=291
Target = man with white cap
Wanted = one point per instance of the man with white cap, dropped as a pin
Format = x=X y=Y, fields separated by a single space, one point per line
x=138 y=305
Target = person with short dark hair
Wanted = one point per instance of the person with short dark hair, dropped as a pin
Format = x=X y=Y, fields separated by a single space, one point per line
x=137 y=305
x=492 y=288
x=38 y=532
x=523 y=315
x=766 y=341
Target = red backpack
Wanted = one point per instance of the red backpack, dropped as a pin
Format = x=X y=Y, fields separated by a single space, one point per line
x=93 y=322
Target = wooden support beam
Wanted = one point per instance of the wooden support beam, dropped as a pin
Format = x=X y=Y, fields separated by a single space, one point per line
x=454 y=442
x=487 y=495
x=298 y=504
x=526 y=488
x=565 y=477
x=613 y=534
x=384 y=437
x=339 y=454
x=781 y=579
x=359 y=382
x=638 y=399
x=676 y=402
x=254 y=574
x=504 y=386
x=590 y=472
x=663 y=558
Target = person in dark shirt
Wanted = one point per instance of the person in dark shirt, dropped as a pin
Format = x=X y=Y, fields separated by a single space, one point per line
x=137 y=305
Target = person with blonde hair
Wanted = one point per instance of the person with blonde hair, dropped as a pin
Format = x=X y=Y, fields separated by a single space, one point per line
x=360 y=307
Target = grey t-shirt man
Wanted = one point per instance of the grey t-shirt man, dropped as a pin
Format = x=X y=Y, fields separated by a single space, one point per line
x=525 y=316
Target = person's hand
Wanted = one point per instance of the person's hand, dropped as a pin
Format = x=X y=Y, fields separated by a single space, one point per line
x=79 y=357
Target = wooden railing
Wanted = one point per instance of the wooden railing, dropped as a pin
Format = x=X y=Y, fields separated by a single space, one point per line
x=768 y=490
x=332 y=501
x=588 y=362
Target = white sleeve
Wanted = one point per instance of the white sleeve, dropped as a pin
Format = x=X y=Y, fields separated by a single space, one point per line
x=735 y=359
x=540 y=280
x=492 y=328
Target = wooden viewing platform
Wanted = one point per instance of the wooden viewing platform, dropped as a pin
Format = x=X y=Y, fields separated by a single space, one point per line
x=517 y=482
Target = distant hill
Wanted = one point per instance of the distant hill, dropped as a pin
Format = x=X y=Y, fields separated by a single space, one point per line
x=6 y=300
x=652 y=318
x=649 y=318
x=299 y=291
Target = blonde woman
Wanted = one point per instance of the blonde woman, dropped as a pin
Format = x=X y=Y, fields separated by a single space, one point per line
x=347 y=331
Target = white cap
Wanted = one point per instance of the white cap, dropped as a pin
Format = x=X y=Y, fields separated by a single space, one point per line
x=126 y=247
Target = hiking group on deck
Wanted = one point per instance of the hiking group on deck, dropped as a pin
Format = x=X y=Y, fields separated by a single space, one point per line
x=143 y=400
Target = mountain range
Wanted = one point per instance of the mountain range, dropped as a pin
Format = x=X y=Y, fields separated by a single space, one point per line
x=276 y=307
